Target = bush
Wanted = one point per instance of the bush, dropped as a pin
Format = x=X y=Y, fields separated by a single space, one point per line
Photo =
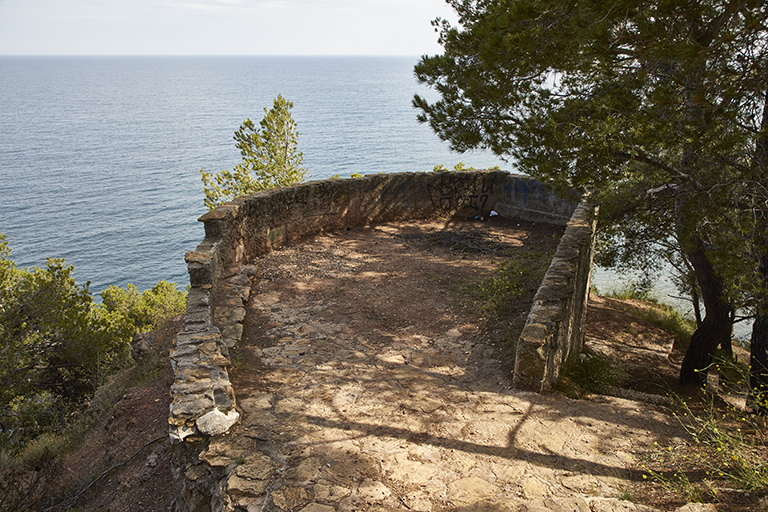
x=43 y=450
x=57 y=346
x=128 y=311
x=587 y=373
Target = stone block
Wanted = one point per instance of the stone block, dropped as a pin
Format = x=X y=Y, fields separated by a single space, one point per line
x=215 y=422
x=190 y=407
x=179 y=433
x=200 y=273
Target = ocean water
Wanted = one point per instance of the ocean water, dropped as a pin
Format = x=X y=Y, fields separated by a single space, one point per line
x=100 y=156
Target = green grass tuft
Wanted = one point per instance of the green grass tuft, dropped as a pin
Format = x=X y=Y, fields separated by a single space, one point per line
x=585 y=374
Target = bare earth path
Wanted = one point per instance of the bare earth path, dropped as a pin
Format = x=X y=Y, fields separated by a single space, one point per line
x=367 y=381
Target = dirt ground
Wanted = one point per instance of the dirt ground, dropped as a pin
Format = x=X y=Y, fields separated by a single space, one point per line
x=367 y=379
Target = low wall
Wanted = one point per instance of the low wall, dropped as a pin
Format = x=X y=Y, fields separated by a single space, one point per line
x=238 y=232
x=555 y=325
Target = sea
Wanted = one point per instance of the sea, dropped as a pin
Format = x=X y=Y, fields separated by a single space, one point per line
x=100 y=157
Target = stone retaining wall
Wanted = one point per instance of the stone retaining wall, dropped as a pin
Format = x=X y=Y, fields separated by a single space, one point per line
x=238 y=232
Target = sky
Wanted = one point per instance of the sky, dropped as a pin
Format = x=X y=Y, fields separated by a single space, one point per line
x=220 y=27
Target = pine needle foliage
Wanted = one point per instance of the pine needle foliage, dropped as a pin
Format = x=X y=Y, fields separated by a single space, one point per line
x=270 y=158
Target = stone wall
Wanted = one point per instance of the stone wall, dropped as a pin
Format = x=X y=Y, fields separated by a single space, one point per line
x=555 y=325
x=238 y=232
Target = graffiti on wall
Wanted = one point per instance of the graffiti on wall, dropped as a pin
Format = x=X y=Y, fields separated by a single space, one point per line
x=451 y=194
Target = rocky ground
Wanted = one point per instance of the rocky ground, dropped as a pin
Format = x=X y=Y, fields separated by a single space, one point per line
x=368 y=379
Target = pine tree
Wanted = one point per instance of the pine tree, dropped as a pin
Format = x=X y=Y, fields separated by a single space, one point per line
x=270 y=158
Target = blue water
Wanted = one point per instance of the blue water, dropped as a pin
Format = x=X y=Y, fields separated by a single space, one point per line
x=100 y=156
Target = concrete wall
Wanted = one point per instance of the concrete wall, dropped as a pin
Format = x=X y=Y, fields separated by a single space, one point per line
x=237 y=232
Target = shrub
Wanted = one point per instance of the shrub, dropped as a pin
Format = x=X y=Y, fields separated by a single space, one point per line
x=270 y=158
x=127 y=311
x=57 y=346
x=43 y=450
x=587 y=373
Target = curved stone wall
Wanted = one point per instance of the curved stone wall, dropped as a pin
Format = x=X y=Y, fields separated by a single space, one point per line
x=238 y=232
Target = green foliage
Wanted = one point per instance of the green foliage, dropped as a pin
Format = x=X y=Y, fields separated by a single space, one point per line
x=497 y=297
x=51 y=337
x=515 y=278
x=44 y=449
x=658 y=111
x=671 y=320
x=662 y=315
x=270 y=157
x=127 y=311
x=729 y=447
x=458 y=167
x=587 y=373
x=57 y=345
x=338 y=176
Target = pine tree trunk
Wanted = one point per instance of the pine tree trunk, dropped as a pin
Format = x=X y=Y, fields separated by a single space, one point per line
x=758 y=363
x=758 y=359
x=715 y=329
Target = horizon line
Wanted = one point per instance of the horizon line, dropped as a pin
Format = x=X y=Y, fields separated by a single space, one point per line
x=205 y=55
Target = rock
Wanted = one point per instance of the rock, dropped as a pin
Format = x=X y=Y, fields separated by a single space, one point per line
x=216 y=422
x=316 y=507
x=256 y=467
x=556 y=505
x=239 y=486
x=218 y=453
x=178 y=433
x=616 y=505
x=697 y=507
x=289 y=497
x=469 y=491
x=141 y=350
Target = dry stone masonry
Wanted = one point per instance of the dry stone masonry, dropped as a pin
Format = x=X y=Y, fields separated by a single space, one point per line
x=204 y=403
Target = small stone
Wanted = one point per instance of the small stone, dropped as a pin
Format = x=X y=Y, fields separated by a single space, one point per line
x=317 y=507
x=191 y=387
x=218 y=454
x=196 y=472
x=238 y=314
x=216 y=422
x=237 y=485
x=178 y=433
x=189 y=407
